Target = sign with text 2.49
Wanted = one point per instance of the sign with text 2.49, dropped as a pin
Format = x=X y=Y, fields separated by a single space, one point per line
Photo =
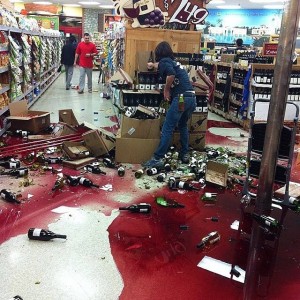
x=155 y=13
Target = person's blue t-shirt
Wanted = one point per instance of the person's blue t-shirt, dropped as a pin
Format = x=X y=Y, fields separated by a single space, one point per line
x=168 y=67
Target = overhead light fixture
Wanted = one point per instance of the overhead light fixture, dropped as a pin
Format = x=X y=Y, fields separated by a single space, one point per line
x=89 y=2
x=275 y=6
x=15 y=1
x=106 y=6
x=216 y=2
x=72 y=5
x=229 y=6
x=266 y=1
x=42 y=2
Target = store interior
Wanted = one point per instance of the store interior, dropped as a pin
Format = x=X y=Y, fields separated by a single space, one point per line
x=70 y=163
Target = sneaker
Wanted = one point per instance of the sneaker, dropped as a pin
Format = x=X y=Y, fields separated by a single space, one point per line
x=153 y=163
x=80 y=92
x=67 y=88
x=90 y=91
x=185 y=159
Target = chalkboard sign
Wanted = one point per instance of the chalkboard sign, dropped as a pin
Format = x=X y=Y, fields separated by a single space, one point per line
x=270 y=49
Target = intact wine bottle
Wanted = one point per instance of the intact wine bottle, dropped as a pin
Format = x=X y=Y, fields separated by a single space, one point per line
x=11 y=164
x=94 y=169
x=266 y=220
x=9 y=196
x=186 y=186
x=161 y=177
x=167 y=167
x=138 y=208
x=87 y=182
x=73 y=180
x=181 y=103
x=17 y=297
x=53 y=160
x=152 y=171
x=172 y=183
x=209 y=240
x=150 y=60
x=43 y=235
x=22 y=133
x=121 y=171
x=17 y=172
x=108 y=163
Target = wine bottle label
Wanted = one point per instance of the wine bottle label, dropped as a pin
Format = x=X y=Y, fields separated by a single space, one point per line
x=2 y=195
x=22 y=172
x=214 y=240
x=81 y=180
x=268 y=223
x=12 y=165
x=53 y=160
x=181 y=184
x=153 y=171
x=36 y=232
x=143 y=209
x=89 y=169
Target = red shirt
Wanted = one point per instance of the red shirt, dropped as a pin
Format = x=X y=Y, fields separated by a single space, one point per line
x=84 y=48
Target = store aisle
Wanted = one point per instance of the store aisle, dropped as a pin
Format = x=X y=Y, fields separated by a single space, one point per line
x=89 y=107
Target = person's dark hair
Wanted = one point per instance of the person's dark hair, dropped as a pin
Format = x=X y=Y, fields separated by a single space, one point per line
x=163 y=50
x=72 y=39
x=239 y=42
x=86 y=34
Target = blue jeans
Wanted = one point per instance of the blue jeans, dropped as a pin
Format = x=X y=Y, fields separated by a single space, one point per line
x=175 y=117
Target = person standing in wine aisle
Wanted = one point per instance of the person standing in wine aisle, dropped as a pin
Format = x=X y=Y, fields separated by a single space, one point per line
x=181 y=95
x=67 y=59
x=86 y=50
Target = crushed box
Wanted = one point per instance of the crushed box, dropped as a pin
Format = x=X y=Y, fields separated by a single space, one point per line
x=97 y=142
x=67 y=116
x=29 y=120
x=140 y=128
x=76 y=150
x=216 y=173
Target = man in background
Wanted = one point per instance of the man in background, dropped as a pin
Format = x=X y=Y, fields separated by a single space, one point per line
x=86 y=50
x=67 y=59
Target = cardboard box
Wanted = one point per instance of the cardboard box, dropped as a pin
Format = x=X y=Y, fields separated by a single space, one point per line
x=79 y=163
x=196 y=140
x=121 y=77
x=199 y=122
x=97 y=143
x=134 y=150
x=227 y=58
x=137 y=128
x=62 y=129
x=29 y=120
x=216 y=173
x=67 y=116
x=76 y=150
x=200 y=80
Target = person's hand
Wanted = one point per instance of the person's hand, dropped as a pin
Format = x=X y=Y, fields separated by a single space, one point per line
x=150 y=65
x=167 y=95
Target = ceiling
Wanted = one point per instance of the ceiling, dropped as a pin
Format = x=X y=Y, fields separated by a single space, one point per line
x=213 y=4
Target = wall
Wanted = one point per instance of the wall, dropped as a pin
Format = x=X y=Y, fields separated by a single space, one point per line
x=90 y=22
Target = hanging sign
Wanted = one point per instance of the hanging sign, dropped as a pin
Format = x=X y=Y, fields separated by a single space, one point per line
x=270 y=49
x=155 y=13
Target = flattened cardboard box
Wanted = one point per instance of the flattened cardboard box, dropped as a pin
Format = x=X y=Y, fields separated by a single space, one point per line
x=216 y=173
x=76 y=150
x=78 y=163
x=136 y=128
x=67 y=116
x=29 y=120
x=196 y=140
x=134 y=150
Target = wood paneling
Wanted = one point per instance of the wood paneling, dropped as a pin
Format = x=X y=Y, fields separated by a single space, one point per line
x=146 y=39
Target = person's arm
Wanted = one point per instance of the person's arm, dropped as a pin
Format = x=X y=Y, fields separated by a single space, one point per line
x=167 y=89
x=75 y=60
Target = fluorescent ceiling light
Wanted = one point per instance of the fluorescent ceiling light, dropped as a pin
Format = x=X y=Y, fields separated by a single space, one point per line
x=106 y=6
x=266 y=1
x=229 y=6
x=72 y=5
x=275 y=6
x=217 y=2
x=42 y=2
x=15 y=1
x=89 y=2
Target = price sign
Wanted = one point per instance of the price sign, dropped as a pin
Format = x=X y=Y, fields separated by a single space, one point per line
x=270 y=49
